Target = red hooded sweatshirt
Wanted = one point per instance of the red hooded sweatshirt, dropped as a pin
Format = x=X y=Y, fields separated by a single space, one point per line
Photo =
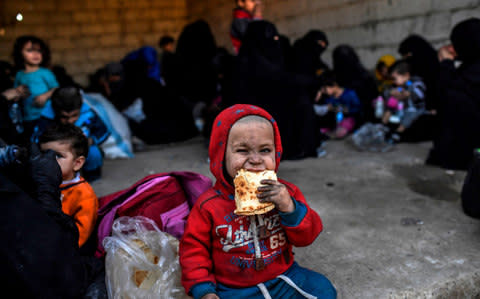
x=218 y=245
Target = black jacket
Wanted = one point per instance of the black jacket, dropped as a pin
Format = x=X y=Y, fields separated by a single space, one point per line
x=39 y=255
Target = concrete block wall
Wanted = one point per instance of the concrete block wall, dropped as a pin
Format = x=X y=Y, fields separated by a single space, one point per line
x=372 y=27
x=84 y=35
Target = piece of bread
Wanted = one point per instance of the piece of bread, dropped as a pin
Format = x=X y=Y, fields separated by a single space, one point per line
x=246 y=184
x=139 y=276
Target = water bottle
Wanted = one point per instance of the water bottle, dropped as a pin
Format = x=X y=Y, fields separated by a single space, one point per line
x=15 y=114
x=379 y=107
x=339 y=115
x=400 y=109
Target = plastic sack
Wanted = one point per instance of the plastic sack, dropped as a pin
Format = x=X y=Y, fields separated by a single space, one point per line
x=119 y=143
x=141 y=261
x=371 y=137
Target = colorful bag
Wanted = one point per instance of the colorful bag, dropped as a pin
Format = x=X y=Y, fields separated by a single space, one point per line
x=166 y=198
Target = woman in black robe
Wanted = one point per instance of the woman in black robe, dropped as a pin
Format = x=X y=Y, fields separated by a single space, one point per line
x=423 y=60
x=459 y=107
x=308 y=51
x=350 y=73
x=261 y=78
x=167 y=118
x=307 y=59
x=422 y=57
x=194 y=78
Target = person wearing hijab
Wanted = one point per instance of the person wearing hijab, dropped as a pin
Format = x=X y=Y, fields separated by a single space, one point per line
x=195 y=77
x=351 y=73
x=459 y=109
x=148 y=55
x=424 y=63
x=225 y=255
x=40 y=256
x=382 y=74
x=307 y=59
x=308 y=51
x=261 y=78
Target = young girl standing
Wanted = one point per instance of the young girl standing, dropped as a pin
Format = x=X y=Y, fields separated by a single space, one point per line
x=32 y=56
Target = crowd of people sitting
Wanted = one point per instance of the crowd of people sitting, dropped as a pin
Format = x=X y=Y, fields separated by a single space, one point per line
x=175 y=95
x=152 y=97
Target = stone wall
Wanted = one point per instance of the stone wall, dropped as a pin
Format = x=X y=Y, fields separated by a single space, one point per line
x=373 y=27
x=83 y=35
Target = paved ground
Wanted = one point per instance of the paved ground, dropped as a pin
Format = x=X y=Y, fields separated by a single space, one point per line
x=393 y=227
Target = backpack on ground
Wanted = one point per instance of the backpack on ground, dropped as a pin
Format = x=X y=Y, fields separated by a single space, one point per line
x=166 y=198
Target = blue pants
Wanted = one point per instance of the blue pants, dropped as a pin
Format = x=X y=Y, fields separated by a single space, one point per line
x=94 y=158
x=309 y=281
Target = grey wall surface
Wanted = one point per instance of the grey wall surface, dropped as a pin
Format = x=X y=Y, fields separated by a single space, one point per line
x=373 y=27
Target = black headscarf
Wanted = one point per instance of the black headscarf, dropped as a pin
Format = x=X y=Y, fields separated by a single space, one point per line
x=262 y=79
x=423 y=60
x=194 y=77
x=262 y=41
x=421 y=55
x=351 y=73
x=196 y=43
x=459 y=116
x=465 y=38
x=287 y=50
x=312 y=39
x=307 y=53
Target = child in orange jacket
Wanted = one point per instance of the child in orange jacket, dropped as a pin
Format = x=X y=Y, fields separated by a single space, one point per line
x=78 y=198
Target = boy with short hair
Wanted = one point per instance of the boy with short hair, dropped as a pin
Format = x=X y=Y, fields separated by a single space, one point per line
x=166 y=43
x=406 y=99
x=225 y=255
x=78 y=198
x=67 y=107
x=243 y=14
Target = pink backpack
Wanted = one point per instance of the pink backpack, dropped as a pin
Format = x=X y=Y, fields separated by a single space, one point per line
x=166 y=198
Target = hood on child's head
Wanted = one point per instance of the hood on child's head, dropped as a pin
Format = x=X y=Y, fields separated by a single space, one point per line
x=220 y=130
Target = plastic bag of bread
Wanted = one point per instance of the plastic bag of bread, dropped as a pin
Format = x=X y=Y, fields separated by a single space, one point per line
x=141 y=261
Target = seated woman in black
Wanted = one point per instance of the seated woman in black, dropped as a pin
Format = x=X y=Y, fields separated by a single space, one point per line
x=459 y=108
x=261 y=78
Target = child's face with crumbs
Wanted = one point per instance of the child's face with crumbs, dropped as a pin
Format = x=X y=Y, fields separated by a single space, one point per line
x=251 y=146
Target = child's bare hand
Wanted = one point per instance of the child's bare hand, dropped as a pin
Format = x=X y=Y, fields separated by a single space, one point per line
x=40 y=100
x=319 y=96
x=276 y=193
x=446 y=53
x=11 y=94
x=395 y=93
x=211 y=296
x=23 y=91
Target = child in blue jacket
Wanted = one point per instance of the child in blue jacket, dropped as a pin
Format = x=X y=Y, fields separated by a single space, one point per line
x=67 y=106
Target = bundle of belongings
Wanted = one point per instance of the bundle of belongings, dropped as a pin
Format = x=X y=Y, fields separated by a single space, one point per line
x=142 y=261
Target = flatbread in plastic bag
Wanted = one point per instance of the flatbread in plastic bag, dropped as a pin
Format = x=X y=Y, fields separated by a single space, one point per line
x=141 y=261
